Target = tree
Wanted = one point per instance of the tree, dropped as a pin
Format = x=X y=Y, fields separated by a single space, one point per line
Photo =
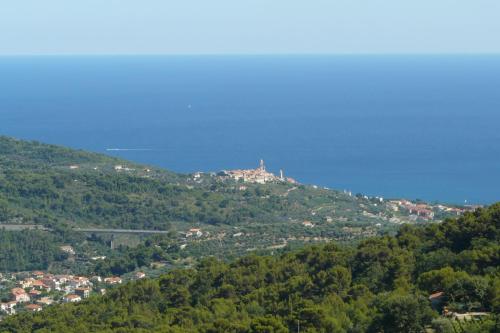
x=399 y=312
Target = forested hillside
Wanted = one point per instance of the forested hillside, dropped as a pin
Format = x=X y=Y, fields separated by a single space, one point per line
x=63 y=189
x=381 y=285
x=46 y=184
x=28 y=250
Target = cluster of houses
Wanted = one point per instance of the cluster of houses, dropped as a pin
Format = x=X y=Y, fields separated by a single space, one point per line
x=259 y=175
x=423 y=211
x=42 y=289
x=34 y=292
x=426 y=211
x=457 y=210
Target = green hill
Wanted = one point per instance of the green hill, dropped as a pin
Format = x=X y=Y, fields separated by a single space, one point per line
x=381 y=285
x=46 y=184
x=63 y=189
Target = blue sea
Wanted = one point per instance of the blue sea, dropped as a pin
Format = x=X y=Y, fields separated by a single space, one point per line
x=425 y=127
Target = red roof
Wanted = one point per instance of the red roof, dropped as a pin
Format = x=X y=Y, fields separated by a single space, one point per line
x=436 y=295
x=17 y=291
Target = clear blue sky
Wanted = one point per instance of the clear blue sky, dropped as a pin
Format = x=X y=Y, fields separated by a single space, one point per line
x=248 y=26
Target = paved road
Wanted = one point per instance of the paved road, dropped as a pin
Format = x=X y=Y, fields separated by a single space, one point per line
x=19 y=227
x=120 y=231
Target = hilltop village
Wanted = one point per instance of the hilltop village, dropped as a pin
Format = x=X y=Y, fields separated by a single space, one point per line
x=258 y=175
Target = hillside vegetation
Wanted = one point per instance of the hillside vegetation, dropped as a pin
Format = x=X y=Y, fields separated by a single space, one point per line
x=46 y=184
x=381 y=285
x=63 y=189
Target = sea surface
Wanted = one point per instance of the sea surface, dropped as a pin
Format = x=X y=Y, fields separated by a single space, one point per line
x=424 y=127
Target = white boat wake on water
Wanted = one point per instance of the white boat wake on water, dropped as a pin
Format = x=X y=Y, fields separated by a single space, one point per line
x=129 y=149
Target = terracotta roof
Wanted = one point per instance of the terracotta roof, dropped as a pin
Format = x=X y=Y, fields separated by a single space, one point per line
x=436 y=295
x=17 y=291
x=112 y=279
x=33 y=307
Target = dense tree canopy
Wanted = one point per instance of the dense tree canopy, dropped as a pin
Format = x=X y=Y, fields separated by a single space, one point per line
x=381 y=285
x=28 y=250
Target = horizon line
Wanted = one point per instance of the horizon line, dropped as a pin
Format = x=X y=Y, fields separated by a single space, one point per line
x=264 y=54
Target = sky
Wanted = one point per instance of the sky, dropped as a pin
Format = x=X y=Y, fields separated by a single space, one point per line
x=34 y=27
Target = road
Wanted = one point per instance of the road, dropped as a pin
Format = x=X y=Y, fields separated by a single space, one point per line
x=20 y=227
x=120 y=231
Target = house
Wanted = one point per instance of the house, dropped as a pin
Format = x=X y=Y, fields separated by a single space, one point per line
x=308 y=224
x=71 y=298
x=79 y=281
x=52 y=283
x=194 y=231
x=113 y=280
x=39 y=285
x=34 y=293
x=9 y=307
x=33 y=307
x=45 y=301
x=19 y=295
x=83 y=292
x=139 y=275
x=38 y=274
x=26 y=283
x=5 y=307
x=67 y=249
